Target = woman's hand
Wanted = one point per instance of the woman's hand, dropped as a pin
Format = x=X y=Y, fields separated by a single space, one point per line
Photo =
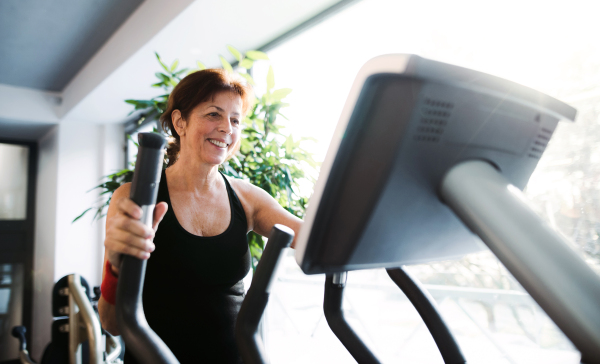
x=126 y=234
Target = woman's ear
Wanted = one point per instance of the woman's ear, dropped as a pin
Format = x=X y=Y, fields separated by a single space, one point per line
x=178 y=123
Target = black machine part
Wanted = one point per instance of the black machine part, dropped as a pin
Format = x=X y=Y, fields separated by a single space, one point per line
x=248 y=340
x=407 y=121
x=139 y=338
x=427 y=308
x=332 y=307
x=19 y=333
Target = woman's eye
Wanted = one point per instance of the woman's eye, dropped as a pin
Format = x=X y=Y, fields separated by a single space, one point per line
x=235 y=121
x=214 y=114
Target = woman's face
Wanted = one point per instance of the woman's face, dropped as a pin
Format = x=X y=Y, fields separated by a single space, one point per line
x=213 y=128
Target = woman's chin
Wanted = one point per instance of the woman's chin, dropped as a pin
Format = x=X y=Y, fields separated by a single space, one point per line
x=216 y=159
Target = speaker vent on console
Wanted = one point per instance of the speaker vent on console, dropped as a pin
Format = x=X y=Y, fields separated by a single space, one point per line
x=433 y=120
x=540 y=143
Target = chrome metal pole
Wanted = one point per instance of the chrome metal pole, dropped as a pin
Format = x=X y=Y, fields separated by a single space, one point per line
x=86 y=319
x=538 y=257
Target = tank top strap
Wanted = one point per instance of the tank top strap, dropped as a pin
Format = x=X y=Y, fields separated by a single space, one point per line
x=237 y=208
x=163 y=191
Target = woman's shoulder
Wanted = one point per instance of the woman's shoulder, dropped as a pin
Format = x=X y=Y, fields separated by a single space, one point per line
x=245 y=188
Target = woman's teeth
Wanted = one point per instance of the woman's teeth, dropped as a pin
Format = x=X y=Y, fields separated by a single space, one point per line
x=218 y=143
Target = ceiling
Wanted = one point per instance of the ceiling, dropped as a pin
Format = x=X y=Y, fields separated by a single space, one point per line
x=79 y=59
x=45 y=43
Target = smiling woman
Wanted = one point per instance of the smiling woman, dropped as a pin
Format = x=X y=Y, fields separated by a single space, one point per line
x=205 y=86
x=193 y=288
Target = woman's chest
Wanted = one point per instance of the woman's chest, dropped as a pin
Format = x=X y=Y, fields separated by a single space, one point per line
x=202 y=215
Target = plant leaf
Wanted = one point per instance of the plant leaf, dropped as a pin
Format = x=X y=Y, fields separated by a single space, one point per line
x=161 y=62
x=80 y=216
x=247 y=63
x=200 y=65
x=248 y=78
x=235 y=53
x=270 y=79
x=174 y=65
x=281 y=93
x=256 y=55
x=226 y=65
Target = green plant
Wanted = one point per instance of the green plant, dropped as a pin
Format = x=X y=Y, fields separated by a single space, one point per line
x=268 y=158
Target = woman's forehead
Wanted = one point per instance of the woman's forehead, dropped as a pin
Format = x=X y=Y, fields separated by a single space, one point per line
x=226 y=97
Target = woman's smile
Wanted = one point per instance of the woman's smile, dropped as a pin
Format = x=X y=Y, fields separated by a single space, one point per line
x=218 y=143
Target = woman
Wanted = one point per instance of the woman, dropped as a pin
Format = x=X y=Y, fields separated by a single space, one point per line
x=193 y=288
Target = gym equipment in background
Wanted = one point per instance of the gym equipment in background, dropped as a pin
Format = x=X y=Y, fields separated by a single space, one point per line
x=72 y=307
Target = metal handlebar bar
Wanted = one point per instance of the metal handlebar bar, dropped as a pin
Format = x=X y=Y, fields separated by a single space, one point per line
x=139 y=338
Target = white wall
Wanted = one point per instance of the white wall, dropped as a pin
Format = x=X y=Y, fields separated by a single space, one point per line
x=79 y=157
x=72 y=159
x=44 y=241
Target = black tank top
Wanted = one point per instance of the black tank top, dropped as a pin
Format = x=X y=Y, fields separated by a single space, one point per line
x=193 y=288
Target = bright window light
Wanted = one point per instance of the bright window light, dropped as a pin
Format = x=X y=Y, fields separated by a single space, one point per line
x=550 y=46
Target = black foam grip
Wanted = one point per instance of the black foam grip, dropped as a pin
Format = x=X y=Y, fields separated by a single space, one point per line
x=148 y=166
x=246 y=328
x=19 y=333
x=139 y=338
x=427 y=308
x=332 y=308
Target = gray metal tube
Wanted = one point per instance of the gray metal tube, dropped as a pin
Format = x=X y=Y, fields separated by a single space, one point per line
x=538 y=257
x=86 y=318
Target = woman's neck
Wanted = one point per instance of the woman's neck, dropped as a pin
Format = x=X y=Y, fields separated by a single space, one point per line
x=189 y=176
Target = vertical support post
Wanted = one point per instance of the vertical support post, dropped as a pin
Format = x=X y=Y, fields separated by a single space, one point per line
x=427 y=308
x=83 y=323
x=537 y=256
x=332 y=307
x=74 y=342
x=249 y=342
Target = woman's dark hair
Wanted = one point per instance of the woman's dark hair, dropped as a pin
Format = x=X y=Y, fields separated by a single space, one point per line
x=195 y=89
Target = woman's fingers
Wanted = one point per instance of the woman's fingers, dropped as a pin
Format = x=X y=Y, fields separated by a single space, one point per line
x=159 y=212
x=125 y=234
x=122 y=248
x=130 y=208
x=135 y=227
x=119 y=236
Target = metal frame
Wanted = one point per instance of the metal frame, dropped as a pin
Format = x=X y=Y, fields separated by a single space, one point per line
x=332 y=307
x=537 y=256
x=249 y=342
x=427 y=308
x=83 y=324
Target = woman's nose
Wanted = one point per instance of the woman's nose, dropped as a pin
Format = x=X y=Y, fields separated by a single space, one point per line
x=225 y=127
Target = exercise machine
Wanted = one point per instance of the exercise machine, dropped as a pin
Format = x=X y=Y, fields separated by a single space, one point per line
x=77 y=337
x=427 y=163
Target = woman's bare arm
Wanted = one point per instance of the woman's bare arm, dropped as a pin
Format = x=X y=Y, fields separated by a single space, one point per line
x=125 y=234
x=264 y=211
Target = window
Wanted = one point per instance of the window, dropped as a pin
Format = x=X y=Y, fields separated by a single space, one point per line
x=13 y=189
x=549 y=47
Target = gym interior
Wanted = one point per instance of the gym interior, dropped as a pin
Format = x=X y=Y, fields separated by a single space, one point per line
x=67 y=67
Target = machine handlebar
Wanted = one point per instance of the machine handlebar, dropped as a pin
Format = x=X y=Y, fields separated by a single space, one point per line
x=139 y=338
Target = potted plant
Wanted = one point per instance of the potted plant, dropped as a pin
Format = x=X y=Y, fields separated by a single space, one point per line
x=267 y=158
